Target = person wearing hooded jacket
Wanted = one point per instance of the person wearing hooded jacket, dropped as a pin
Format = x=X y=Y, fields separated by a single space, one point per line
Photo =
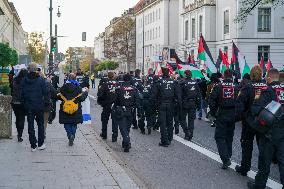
x=70 y=90
x=34 y=96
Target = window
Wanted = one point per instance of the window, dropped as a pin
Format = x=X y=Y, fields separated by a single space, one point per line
x=159 y=31
x=150 y=34
x=193 y=28
x=159 y=13
x=150 y=17
x=200 y=24
x=156 y=32
x=226 y=22
x=153 y=16
x=266 y=52
x=264 y=20
x=186 y=30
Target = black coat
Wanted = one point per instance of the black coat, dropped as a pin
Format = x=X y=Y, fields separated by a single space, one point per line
x=70 y=91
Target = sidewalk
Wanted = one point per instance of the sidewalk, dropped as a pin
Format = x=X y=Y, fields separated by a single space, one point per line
x=87 y=164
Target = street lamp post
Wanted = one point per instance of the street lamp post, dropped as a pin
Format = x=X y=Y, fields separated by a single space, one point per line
x=50 y=65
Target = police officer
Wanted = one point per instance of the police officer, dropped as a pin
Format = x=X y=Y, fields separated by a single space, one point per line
x=177 y=110
x=148 y=111
x=127 y=98
x=273 y=140
x=137 y=83
x=190 y=102
x=106 y=97
x=168 y=91
x=248 y=95
x=222 y=107
x=156 y=103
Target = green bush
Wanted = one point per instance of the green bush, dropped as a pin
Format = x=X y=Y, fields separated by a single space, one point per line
x=5 y=89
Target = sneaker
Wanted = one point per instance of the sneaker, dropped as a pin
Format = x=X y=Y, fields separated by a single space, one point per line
x=206 y=119
x=163 y=144
x=149 y=131
x=126 y=149
x=71 y=140
x=33 y=149
x=199 y=118
x=42 y=147
x=251 y=185
x=103 y=136
x=20 y=139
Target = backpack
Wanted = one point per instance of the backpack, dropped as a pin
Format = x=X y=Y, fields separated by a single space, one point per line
x=69 y=106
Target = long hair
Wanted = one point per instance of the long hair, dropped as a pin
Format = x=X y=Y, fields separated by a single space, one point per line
x=22 y=74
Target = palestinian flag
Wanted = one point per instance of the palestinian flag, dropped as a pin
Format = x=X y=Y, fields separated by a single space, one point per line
x=195 y=71
x=269 y=65
x=241 y=66
x=158 y=70
x=205 y=56
x=171 y=71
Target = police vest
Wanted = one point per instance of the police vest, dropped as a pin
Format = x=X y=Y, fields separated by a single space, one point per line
x=167 y=89
x=137 y=82
x=127 y=96
x=257 y=88
x=147 y=91
x=189 y=89
x=111 y=86
x=227 y=95
x=279 y=90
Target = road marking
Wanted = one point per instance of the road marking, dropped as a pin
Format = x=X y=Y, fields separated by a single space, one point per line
x=92 y=97
x=197 y=147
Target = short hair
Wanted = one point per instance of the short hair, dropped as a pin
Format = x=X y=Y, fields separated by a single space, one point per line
x=32 y=67
x=137 y=72
x=273 y=74
x=110 y=75
x=281 y=77
x=188 y=73
x=256 y=73
x=72 y=76
x=150 y=71
x=228 y=74
x=127 y=77
x=165 y=71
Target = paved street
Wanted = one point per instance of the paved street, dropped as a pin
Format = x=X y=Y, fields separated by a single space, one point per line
x=88 y=164
x=183 y=164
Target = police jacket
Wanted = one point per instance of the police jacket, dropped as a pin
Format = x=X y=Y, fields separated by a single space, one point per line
x=127 y=96
x=147 y=91
x=137 y=83
x=191 y=93
x=106 y=92
x=248 y=95
x=167 y=91
x=274 y=91
x=223 y=97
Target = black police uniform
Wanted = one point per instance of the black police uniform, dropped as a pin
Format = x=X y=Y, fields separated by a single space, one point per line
x=127 y=98
x=190 y=102
x=273 y=140
x=167 y=90
x=148 y=111
x=156 y=103
x=248 y=95
x=177 y=112
x=106 y=97
x=222 y=106
x=137 y=83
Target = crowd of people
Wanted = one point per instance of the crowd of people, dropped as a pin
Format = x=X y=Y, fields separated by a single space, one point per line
x=34 y=97
x=170 y=101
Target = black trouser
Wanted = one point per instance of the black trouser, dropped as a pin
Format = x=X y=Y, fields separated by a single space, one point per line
x=134 y=119
x=166 y=122
x=268 y=145
x=104 y=118
x=20 y=114
x=38 y=116
x=248 y=134
x=189 y=126
x=177 y=117
x=52 y=113
x=114 y=125
x=149 y=114
x=224 y=134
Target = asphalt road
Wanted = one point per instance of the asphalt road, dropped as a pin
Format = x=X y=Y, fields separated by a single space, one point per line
x=179 y=166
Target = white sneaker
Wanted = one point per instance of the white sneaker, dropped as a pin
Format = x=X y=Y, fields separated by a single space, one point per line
x=42 y=147
x=34 y=149
x=206 y=119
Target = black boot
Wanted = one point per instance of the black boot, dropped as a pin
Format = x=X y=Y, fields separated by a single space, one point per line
x=20 y=139
x=103 y=136
x=251 y=185
x=240 y=170
x=226 y=165
x=163 y=144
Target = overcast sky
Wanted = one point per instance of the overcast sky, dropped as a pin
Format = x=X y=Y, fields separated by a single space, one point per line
x=78 y=16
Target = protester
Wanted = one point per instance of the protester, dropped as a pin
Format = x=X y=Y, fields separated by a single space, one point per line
x=35 y=97
x=93 y=80
x=71 y=92
x=17 y=105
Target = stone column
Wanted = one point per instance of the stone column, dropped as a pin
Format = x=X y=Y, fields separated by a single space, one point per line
x=5 y=116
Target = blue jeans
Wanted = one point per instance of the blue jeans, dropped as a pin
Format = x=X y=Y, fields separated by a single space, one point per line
x=203 y=106
x=70 y=129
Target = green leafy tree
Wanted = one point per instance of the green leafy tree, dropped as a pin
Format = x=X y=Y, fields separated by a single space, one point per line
x=106 y=65
x=36 y=47
x=247 y=7
x=8 y=56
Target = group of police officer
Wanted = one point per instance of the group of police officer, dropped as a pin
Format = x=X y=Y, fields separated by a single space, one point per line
x=130 y=99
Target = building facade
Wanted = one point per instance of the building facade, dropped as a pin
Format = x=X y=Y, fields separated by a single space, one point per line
x=156 y=29
x=11 y=30
x=99 y=44
x=76 y=54
x=262 y=33
x=121 y=48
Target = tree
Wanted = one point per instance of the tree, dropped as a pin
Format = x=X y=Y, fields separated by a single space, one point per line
x=8 y=56
x=123 y=40
x=247 y=6
x=36 y=47
x=106 y=65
